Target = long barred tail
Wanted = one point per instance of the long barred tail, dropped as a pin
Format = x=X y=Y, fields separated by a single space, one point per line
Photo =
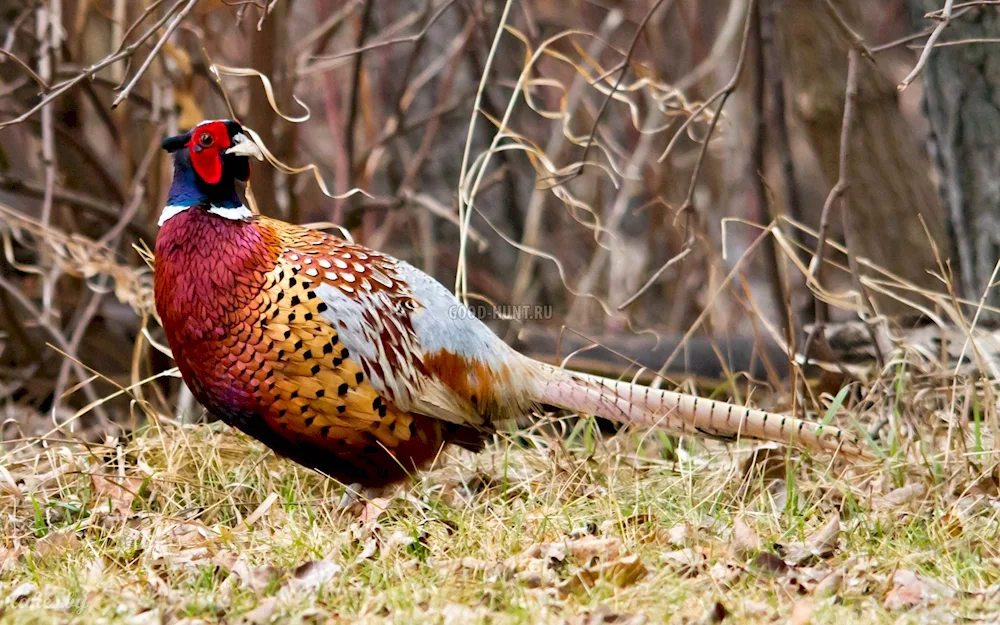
x=685 y=414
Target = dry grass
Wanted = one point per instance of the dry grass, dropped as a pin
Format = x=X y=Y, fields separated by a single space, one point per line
x=200 y=524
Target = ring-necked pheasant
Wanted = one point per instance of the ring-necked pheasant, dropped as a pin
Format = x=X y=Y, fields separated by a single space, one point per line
x=354 y=363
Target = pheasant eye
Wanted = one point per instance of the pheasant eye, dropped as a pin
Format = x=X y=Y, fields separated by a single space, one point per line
x=206 y=140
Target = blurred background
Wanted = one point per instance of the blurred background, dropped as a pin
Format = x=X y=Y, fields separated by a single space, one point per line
x=622 y=171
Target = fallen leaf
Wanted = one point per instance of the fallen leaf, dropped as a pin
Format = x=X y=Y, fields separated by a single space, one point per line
x=55 y=544
x=22 y=592
x=621 y=573
x=745 y=541
x=314 y=574
x=829 y=586
x=8 y=557
x=910 y=590
x=262 y=614
x=373 y=509
x=724 y=574
x=119 y=491
x=767 y=562
x=149 y=617
x=715 y=614
x=819 y=545
x=802 y=611
x=901 y=496
x=679 y=535
x=603 y=615
x=684 y=562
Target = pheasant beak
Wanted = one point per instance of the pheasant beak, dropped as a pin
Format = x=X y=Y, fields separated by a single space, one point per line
x=244 y=146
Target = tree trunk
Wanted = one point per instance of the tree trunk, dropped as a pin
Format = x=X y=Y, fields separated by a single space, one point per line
x=889 y=177
x=961 y=86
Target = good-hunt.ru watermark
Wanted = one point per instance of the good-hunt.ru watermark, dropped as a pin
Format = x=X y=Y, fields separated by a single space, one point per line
x=525 y=312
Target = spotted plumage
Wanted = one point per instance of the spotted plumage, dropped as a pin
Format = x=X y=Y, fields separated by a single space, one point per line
x=350 y=361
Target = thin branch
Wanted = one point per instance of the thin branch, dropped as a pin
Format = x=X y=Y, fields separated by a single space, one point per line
x=614 y=89
x=27 y=69
x=945 y=17
x=152 y=54
x=723 y=94
x=853 y=38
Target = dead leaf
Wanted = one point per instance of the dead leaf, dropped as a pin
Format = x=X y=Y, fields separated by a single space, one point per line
x=680 y=535
x=684 y=562
x=802 y=611
x=22 y=592
x=910 y=590
x=724 y=574
x=55 y=544
x=745 y=541
x=257 y=579
x=603 y=615
x=767 y=562
x=829 y=586
x=819 y=545
x=369 y=550
x=621 y=573
x=716 y=614
x=373 y=509
x=901 y=496
x=8 y=557
x=314 y=574
x=120 y=491
x=149 y=617
x=262 y=614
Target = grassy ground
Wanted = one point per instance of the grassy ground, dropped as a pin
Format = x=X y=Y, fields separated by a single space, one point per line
x=201 y=525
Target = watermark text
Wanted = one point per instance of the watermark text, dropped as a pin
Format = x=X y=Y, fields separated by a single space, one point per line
x=526 y=312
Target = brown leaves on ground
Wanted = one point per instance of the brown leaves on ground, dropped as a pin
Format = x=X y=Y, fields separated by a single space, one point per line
x=910 y=590
x=818 y=546
x=569 y=565
x=118 y=493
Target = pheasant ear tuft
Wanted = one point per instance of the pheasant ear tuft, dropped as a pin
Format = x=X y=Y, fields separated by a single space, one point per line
x=172 y=144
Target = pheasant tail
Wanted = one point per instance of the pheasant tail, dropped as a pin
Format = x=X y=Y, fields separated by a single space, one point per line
x=685 y=414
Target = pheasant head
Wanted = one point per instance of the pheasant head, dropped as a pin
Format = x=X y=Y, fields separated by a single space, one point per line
x=208 y=160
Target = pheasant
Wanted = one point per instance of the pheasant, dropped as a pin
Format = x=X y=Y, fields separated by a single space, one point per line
x=354 y=363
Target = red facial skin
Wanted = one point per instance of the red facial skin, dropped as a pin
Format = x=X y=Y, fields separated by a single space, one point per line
x=206 y=146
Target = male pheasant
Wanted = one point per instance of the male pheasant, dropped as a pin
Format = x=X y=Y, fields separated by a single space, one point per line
x=356 y=364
